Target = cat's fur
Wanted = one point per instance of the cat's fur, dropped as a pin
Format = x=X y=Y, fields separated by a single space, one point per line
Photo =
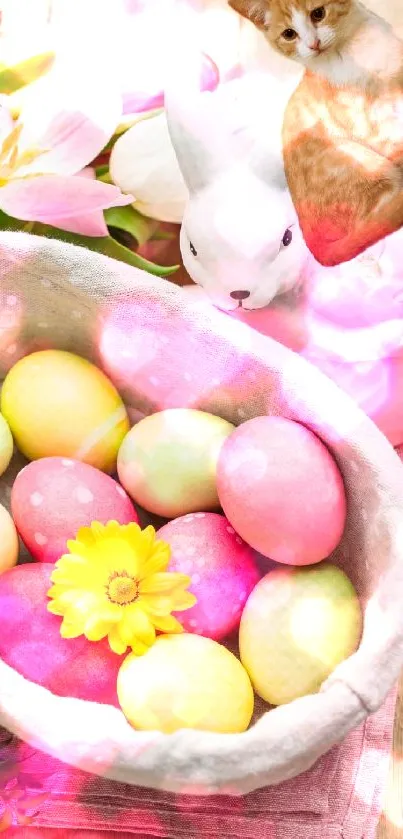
x=343 y=127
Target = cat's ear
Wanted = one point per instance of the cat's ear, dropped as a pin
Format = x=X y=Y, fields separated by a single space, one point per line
x=257 y=11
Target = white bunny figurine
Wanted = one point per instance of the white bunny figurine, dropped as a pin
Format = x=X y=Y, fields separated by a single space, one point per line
x=242 y=245
x=240 y=238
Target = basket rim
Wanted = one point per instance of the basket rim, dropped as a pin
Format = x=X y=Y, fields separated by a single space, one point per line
x=282 y=743
x=187 y=761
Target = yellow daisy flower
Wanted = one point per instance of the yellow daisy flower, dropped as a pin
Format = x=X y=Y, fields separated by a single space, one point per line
x=113 y=582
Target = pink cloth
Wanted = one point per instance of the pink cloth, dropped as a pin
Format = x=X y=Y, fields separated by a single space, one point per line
x=341 y=796
x=348 y=321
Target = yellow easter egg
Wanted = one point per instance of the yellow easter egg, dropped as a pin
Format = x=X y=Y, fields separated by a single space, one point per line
x=168 y=461
x=8 y=541
x=297 y=626
x=185 y=681
x=58 y=404
x=6 y=445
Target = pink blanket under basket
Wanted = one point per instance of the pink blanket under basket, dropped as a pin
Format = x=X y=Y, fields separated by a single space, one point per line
x=341 y=797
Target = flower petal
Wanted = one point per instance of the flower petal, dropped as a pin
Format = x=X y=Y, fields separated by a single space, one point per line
x=70 y=630
x=71 y=113
x=184 y=601
x=159 y=606
x=147 y=540
x=163 y=583
x=91 y=224
x=6 y=120
x=158 y=561
x=168 y=623
x=151 y=95
x=138 y=647
x=116 y=642
x=143 y=162
x=56 y=608
x=73 y=561
x=49 y=197
x=95 y=628
x=71 y=574
x=137 y=624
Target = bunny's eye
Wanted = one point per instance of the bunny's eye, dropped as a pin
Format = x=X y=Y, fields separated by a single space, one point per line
x=287 y=238
x=192 y=249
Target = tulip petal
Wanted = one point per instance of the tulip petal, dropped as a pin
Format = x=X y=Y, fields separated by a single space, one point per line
x=71 y=115
x=91 y=224
x=140 y=101
x=144 y=163
x=6 y=120
x=54 y=198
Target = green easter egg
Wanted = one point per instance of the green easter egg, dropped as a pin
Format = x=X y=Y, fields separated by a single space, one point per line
x=168 y=461
x=297 y=626
x=6 y=445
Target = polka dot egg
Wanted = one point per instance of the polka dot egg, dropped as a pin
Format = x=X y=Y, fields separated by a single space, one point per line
x=53 y=497
x=222 y=568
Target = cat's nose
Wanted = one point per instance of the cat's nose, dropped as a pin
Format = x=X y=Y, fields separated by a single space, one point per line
x=315 y=45
x=240 y=295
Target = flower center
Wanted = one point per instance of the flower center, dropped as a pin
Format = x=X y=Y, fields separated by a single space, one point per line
x=10 y=158
x=122 y=588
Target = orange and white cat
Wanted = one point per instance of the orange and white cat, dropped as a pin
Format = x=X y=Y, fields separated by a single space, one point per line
x=343 y=126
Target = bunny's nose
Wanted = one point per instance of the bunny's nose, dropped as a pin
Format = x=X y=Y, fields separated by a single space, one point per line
x=239 y=295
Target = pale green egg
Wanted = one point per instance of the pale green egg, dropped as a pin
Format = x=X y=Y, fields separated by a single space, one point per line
x=6 y=445
x=168 y=461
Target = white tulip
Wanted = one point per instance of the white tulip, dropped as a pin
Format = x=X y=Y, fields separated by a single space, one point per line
x=143 y=163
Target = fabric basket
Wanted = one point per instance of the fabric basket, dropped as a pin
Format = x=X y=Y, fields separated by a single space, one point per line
x=161 y=351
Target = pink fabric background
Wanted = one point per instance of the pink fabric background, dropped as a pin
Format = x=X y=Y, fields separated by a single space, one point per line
x=341 y=796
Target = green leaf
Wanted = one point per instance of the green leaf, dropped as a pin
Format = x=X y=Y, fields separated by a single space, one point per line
x=100 y=244
x=105 y=178
x=107 y=246
x=130 y=220
x=102 y=170
x=13 y=78
x=8 y=223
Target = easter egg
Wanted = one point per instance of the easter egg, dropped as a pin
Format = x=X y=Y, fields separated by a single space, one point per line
x=297 y=626
x=6 y=445
x=53 y=497
x=31 y=643
x=58 y=404
x=222 y=569
x=8 y=541
x=282 y=491
x=167 y=462
x=185 y=681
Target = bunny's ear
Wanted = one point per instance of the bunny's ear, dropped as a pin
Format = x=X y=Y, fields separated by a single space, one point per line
x=257 y=11
x=192 y=125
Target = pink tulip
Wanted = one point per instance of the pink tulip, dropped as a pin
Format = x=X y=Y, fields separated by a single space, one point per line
x=138 y=101
x=63 y=126
x=145 y=37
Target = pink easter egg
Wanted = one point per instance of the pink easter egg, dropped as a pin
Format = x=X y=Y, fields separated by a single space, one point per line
x=282 y=491
x=222 y=569
x=30 y=641
x=53 y=497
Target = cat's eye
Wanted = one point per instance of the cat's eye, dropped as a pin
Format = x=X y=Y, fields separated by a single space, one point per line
x=192 y=249
x=287 y=238
x=289 y=34
x=318 y=14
